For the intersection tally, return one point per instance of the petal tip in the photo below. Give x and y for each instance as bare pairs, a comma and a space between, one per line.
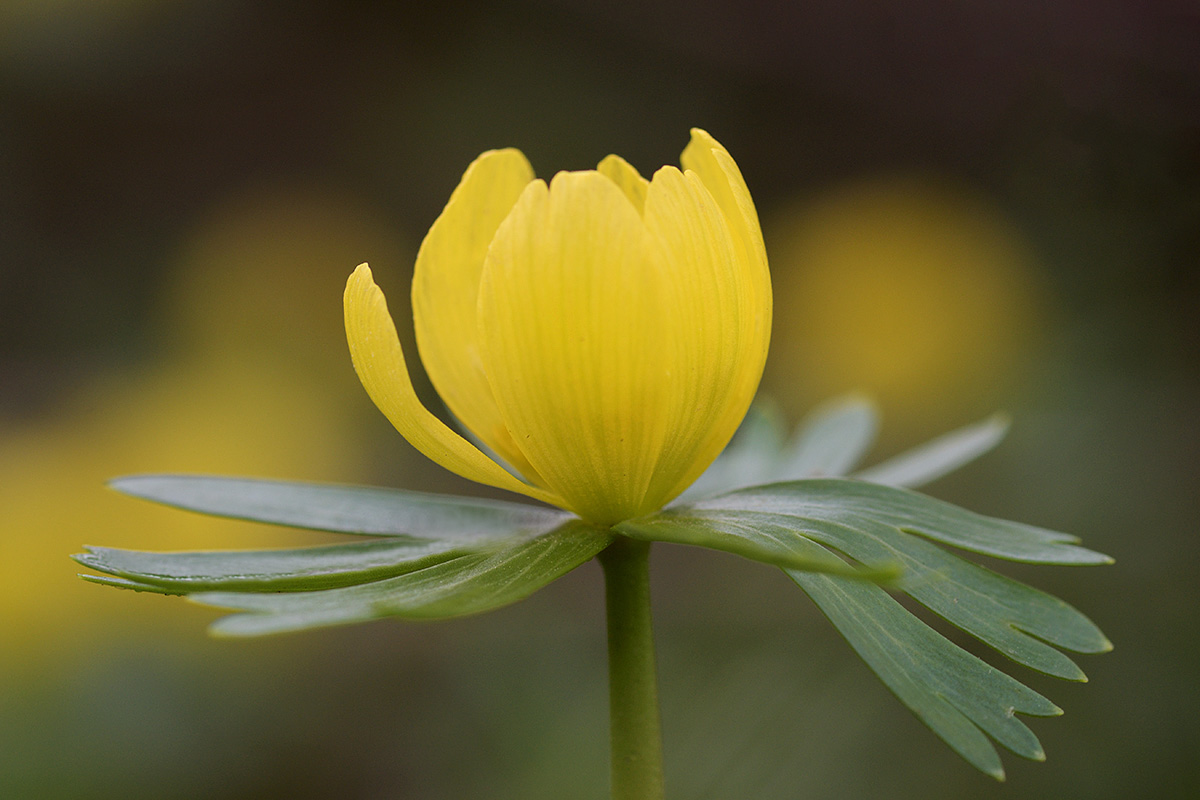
503, 153
360, 278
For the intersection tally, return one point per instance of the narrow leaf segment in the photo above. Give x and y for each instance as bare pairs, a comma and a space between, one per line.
345, 509
943, 455
443, 556
301, 569
829, 444
468, 584
956, 694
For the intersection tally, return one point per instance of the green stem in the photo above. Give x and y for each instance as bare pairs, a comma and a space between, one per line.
637, 772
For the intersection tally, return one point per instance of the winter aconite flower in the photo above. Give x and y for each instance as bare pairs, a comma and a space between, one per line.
602, 335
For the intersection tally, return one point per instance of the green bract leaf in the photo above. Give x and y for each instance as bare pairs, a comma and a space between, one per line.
956, 694
828, 443
1019, 621
299, 569
124, 583
791, 525
831, 441
467, 584
346, 509
749, 460
847, 501
943, 455
780, 543
445, 556
449, 556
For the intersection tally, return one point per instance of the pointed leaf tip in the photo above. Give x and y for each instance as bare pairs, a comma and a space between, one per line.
928, 462
276, 570
123, 583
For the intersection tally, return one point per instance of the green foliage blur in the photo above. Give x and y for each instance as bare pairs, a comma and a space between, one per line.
968, 208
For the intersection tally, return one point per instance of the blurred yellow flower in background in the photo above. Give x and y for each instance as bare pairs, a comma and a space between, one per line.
603, 335
247, 383
913, 290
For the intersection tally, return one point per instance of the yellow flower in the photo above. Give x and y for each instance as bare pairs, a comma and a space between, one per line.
603, 335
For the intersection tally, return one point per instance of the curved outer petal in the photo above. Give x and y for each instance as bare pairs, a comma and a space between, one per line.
379, 362
711, 163
705, 156
579, 343
445, 295
719, 335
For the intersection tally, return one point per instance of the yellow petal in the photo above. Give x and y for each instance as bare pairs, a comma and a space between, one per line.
705, 156
622, 173
576, 345
716, 169
379, 362
721, 354
445, 295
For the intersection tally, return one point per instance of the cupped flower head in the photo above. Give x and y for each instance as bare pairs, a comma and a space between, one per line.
603, 335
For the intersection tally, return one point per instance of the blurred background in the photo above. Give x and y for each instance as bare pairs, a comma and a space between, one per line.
969, 206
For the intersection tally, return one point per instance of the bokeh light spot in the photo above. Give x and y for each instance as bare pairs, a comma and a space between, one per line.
915, 291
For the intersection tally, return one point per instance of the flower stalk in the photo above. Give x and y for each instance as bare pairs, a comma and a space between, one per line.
636, 732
